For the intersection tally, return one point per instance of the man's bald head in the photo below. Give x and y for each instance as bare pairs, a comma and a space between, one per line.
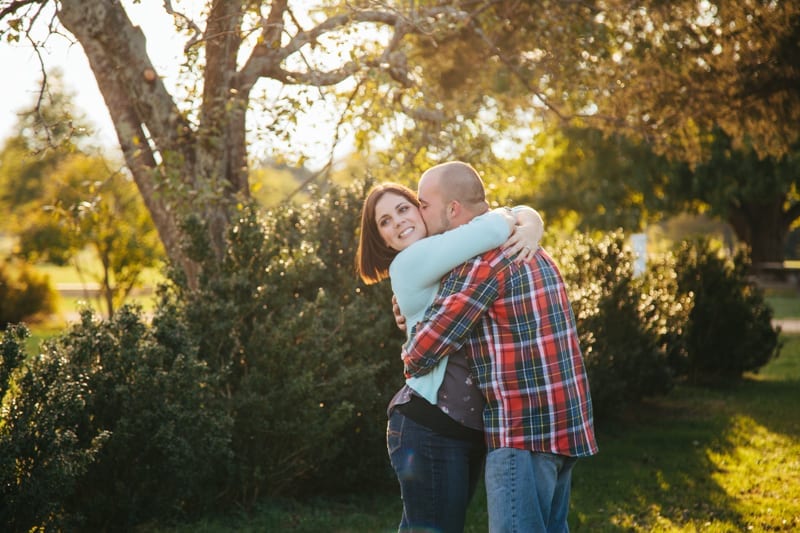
458, 181
451, 194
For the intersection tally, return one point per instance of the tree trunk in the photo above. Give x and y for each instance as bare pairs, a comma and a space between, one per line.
220, 151
763, 227
200, 168
178, 171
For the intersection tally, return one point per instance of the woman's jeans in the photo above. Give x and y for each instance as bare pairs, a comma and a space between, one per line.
438, 475
528, 492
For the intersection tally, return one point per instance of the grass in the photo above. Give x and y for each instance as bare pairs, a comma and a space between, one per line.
712, 460
40, 332
374, 513
785, 304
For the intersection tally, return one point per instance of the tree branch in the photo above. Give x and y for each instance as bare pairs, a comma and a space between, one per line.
15, 6
198, 33
268, 55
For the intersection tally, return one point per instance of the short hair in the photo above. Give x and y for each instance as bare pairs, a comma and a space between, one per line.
373, 256
460, 181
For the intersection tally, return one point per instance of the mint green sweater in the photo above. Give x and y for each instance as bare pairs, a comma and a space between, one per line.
416, 272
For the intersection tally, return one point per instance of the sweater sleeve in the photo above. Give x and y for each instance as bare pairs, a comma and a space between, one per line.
422, 265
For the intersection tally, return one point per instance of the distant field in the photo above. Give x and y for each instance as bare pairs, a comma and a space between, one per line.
6, 245
81, 292
69, 274
784, 303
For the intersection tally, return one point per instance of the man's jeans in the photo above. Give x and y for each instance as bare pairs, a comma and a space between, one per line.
438, 475
527, 492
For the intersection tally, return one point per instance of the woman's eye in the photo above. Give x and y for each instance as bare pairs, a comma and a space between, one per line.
403, 209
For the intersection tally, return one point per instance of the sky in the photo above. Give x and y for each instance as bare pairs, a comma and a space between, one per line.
21, 90
23, 74
21, 87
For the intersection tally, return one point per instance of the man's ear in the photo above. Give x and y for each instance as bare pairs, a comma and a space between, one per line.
453, 209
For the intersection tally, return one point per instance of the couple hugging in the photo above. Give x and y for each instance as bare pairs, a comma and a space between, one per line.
495, 379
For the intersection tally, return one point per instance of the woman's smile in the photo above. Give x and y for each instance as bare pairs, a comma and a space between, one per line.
406, 232
399, 221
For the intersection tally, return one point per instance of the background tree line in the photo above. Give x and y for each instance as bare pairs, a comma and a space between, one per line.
670, 75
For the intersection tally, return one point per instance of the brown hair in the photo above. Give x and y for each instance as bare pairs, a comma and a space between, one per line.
373, 257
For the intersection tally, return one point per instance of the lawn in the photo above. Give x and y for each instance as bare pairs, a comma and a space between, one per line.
715, 460
68, 274
785, 304
700, 459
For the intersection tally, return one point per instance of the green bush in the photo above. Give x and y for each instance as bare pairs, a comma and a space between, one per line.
43, 450
113, 424
308, 355
23, 295
729, 330
627, 324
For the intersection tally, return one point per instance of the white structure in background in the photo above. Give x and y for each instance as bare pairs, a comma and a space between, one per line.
639, 245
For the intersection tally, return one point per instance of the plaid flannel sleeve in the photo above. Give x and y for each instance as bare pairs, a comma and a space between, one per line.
463, 298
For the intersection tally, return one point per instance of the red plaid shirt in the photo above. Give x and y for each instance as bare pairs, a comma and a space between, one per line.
518, 327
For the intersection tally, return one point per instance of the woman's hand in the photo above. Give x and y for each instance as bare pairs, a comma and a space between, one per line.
524, 240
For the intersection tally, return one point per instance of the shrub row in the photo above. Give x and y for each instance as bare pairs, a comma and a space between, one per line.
693, 315
112, 423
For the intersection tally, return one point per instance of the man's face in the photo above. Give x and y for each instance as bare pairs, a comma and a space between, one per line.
432, 205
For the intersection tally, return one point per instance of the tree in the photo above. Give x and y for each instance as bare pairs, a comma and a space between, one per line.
655, 78
660, 71
687, 67
45, 134
605, 182
87, 205
61, 200
590, 181
190, 156
757, 195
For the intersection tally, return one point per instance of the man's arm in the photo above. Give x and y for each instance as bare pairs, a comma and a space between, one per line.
465, 295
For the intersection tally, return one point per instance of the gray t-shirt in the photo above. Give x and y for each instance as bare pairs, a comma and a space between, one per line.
459, 396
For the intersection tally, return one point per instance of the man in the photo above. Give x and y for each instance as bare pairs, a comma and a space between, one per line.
518, 328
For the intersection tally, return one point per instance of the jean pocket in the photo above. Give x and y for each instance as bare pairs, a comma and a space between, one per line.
394, 433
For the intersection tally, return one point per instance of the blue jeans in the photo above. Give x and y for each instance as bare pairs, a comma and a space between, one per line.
438, 475
528, 492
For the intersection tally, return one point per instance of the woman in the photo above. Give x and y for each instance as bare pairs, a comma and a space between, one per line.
434, 435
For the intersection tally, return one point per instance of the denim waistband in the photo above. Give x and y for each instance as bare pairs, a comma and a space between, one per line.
420, 411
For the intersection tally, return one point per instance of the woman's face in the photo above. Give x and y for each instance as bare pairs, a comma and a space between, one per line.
399, 222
